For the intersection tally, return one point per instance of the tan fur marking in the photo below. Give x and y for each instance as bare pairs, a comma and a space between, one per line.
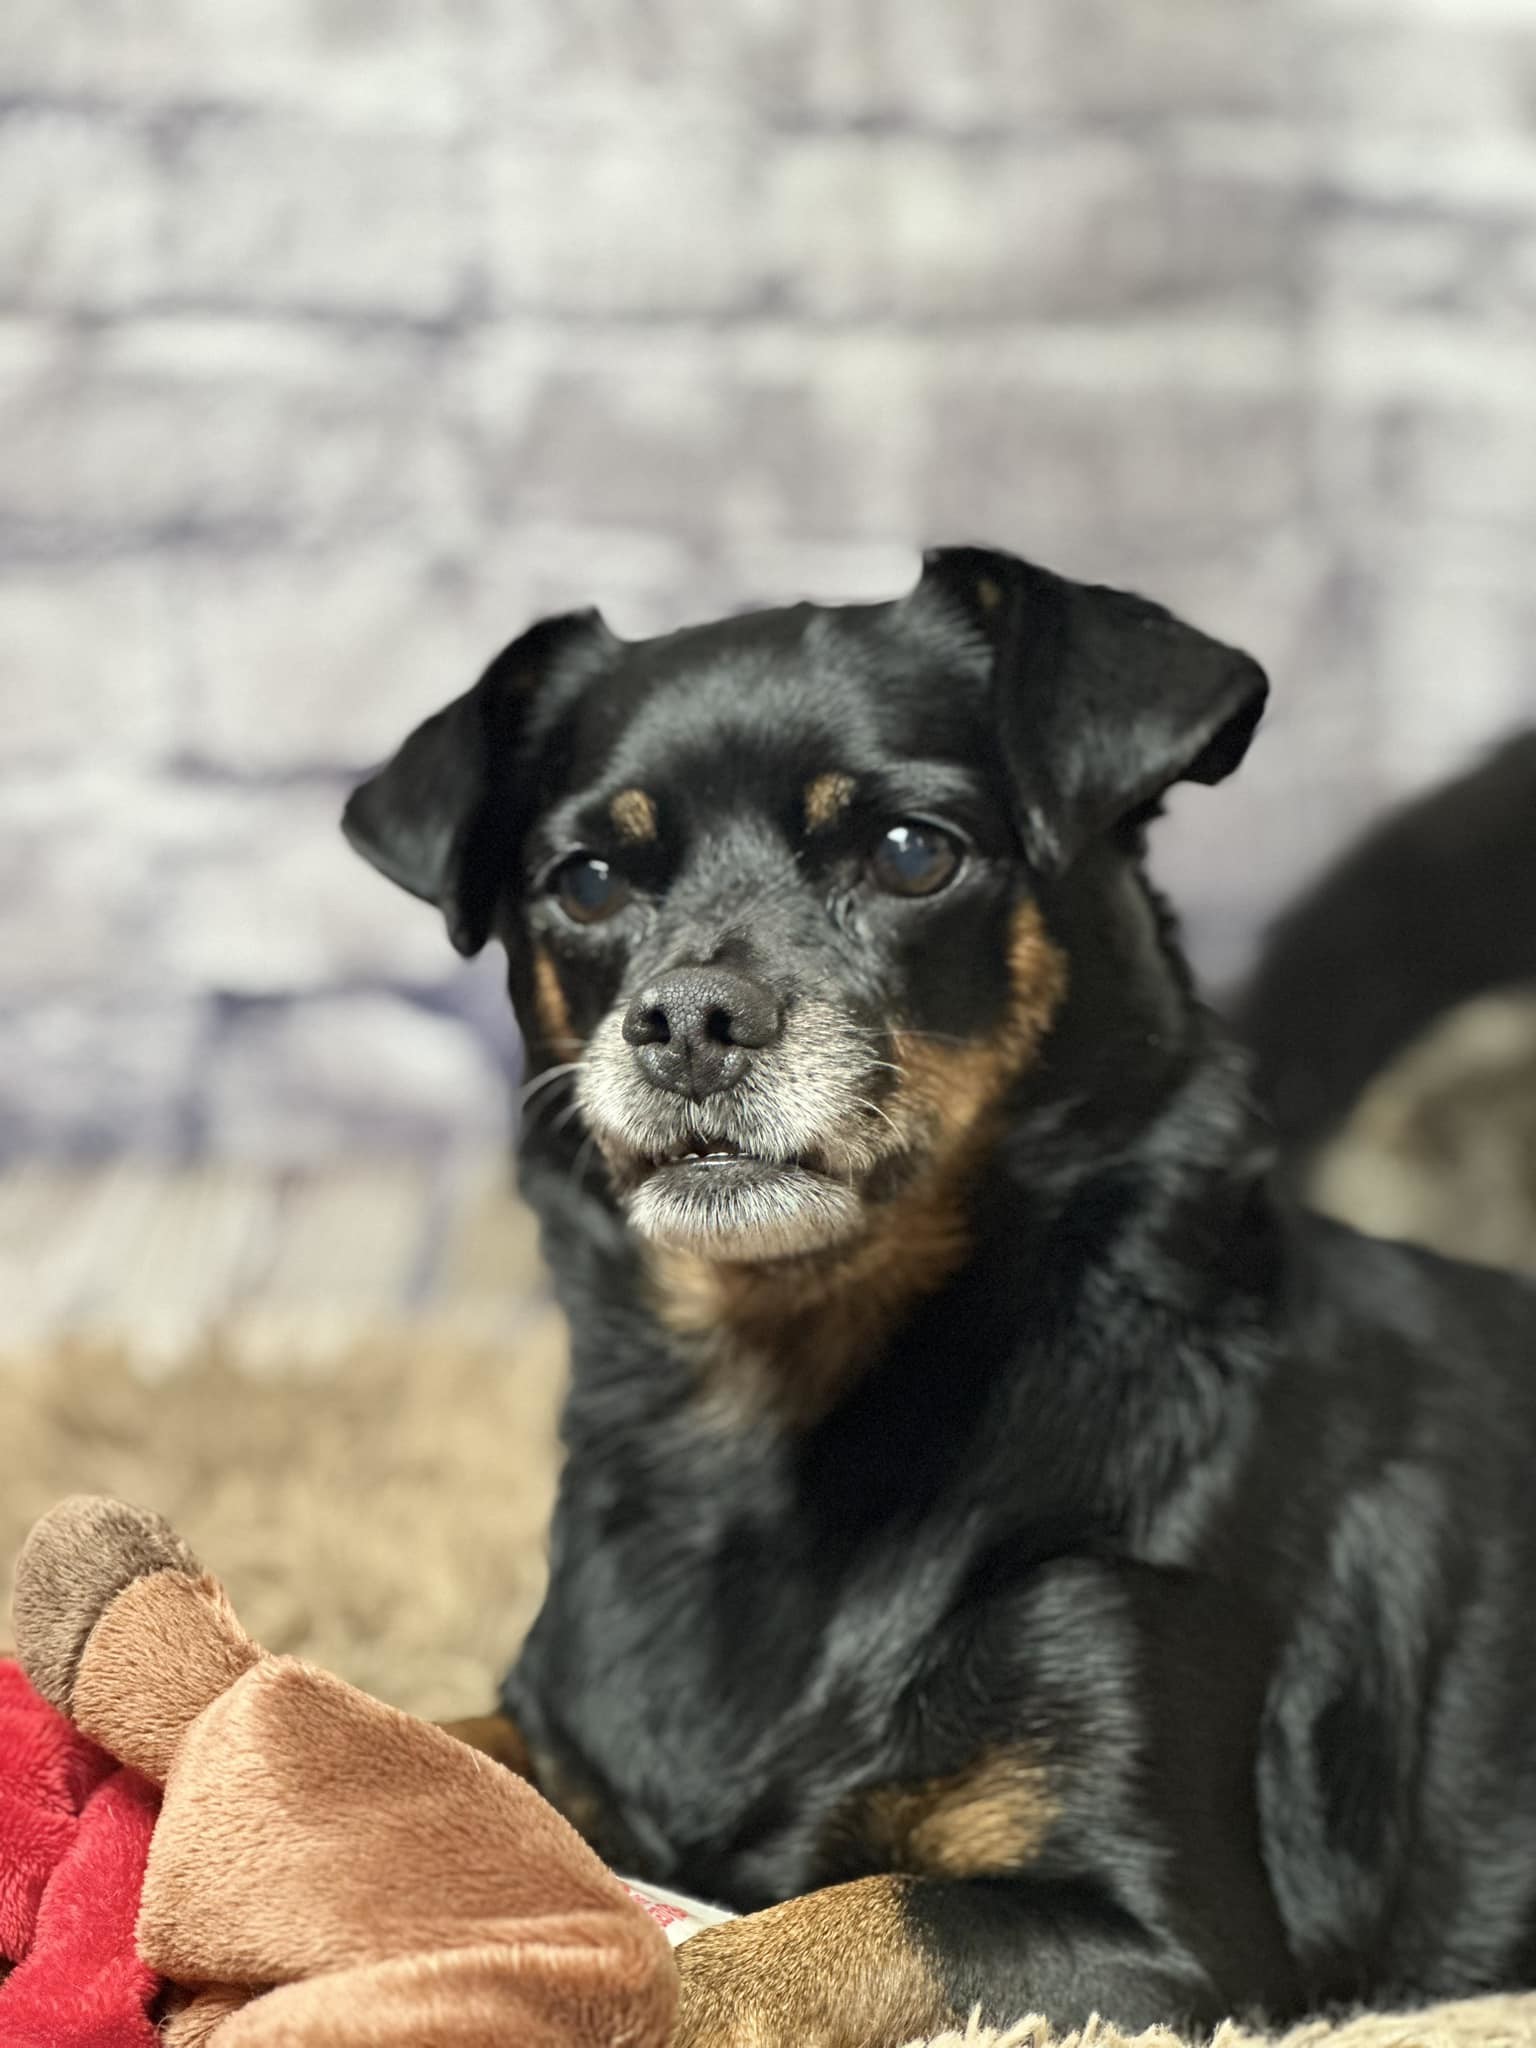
959, 1084
495, 1736
789, 1337
989, 594
786, 1340
549, 1004
838, 1968
634, 816
991, 1818
827, 798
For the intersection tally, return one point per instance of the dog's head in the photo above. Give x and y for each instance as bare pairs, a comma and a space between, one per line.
777, 886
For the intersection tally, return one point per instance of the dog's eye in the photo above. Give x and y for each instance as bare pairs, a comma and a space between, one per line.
588, 890
915, 860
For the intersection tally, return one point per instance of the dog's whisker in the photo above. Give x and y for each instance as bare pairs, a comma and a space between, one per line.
547, 1079
912, 1032
552, 1098
875, 1110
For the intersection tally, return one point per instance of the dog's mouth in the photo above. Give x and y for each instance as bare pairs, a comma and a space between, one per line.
700, 1152
717, 1152
716, 1197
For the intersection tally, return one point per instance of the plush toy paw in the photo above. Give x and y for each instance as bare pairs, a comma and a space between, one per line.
75, 1562
118, 1626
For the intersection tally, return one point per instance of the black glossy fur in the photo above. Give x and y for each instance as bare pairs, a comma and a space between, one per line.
1216, 1519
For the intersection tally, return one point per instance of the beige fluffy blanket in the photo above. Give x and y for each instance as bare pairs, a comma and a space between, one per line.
1494, 2022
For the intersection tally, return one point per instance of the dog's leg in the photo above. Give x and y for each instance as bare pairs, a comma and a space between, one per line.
881, 1960
497, 1736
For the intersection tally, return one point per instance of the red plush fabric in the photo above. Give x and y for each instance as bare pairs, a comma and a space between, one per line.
74, 1836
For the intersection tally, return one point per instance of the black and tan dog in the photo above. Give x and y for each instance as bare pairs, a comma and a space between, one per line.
1001, 1547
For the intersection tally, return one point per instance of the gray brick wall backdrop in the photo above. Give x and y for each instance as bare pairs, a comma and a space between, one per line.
338, 337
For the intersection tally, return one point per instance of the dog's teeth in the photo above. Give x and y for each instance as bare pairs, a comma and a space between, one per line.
703, 1151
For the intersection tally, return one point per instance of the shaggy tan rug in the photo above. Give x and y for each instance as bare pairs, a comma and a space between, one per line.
1441, 1149
384, 1516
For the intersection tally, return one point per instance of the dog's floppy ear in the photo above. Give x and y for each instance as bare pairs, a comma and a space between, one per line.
1103, 699
438, 818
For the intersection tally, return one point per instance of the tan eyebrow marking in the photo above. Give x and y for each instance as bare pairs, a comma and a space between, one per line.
989, 593
827, 798
634, 816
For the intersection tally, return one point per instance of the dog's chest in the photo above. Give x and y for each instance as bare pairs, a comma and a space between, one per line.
706, 1696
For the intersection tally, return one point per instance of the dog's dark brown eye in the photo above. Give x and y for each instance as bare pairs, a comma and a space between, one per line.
914, 860
588, 890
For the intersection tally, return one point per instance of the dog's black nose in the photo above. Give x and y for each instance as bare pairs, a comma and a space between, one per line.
695, 1029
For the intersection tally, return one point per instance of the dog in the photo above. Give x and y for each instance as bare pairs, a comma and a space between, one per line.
1004, 1549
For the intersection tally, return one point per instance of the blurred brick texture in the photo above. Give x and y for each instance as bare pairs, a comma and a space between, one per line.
339, 337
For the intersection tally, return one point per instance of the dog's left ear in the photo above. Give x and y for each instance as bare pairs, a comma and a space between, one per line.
1103, 699
440, 817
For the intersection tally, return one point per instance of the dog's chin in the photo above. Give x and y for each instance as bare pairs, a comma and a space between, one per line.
737, 1208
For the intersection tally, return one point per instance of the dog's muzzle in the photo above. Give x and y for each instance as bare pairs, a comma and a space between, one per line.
729, 1128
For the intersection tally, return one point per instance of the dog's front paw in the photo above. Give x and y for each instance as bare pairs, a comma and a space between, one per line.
736, 1992
835, 1969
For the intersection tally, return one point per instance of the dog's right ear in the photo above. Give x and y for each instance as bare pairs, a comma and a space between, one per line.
438, 818
1103, 700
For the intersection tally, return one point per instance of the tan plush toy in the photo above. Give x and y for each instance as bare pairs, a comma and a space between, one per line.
325, 1870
